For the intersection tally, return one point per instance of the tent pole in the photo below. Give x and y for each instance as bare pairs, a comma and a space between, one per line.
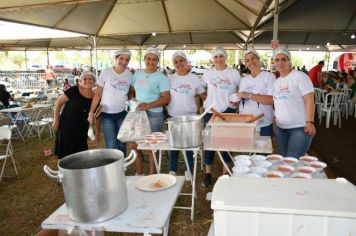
327, 64
162, 59
275, 19
140, 53
26, 60
95, 57
47, 57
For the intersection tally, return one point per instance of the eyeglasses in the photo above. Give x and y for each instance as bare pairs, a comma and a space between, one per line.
281, 59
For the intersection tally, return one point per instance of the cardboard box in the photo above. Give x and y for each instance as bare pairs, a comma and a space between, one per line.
233, 132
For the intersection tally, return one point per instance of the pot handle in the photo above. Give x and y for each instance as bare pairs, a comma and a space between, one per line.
130, 158
52, 173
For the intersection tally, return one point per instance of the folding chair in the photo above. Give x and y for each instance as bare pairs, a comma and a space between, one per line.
43, 120
6, 150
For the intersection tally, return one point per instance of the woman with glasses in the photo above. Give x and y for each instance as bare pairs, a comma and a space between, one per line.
113, 90
185, 90
256, 91
152, 92
293, 98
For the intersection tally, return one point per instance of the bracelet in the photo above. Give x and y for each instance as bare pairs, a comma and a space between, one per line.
311, 122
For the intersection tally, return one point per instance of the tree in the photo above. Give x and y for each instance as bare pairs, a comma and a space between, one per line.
264, 60
18, 60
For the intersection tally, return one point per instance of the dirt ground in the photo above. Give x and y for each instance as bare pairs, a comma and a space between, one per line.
28, 200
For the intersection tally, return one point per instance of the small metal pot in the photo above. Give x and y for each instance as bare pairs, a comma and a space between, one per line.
93, 183
185, 131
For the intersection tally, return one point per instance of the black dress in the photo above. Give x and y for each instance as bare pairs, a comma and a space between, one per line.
73, 127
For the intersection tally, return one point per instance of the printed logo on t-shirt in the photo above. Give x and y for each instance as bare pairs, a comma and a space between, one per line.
183, 87
143, 83
121, 85
283, 92
222, 83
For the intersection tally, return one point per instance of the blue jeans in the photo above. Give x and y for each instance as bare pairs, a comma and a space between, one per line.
111, 124
156, 120
209, 155
173, 160
292, 142
266, 130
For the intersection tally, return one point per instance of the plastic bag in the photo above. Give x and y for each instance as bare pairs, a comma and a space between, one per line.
135, 126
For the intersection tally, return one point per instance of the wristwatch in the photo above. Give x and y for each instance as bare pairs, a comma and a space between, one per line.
312, 122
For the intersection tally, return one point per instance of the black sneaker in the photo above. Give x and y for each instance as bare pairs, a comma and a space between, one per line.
206, 180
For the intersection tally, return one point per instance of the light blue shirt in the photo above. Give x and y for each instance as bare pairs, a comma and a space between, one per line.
148, 87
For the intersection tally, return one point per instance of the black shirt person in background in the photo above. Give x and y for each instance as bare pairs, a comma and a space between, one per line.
5, 96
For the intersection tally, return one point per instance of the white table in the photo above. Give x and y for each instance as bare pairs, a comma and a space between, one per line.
208, 146
20, 116
147, 212
166, 147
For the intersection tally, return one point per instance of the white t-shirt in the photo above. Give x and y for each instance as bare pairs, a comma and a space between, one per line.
183, 89
115, 89
288, 99
263, 84
220, 85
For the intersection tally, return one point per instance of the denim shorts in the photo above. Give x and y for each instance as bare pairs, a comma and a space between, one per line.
156, 120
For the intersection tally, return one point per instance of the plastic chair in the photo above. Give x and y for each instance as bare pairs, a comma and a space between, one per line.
332, 106
318, 98
346, 103
6, 150
43, 120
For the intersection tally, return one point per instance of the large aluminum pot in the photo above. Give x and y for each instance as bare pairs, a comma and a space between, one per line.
185, 131
93, 183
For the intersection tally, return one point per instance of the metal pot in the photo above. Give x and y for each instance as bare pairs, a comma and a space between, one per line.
185, 131
93, 183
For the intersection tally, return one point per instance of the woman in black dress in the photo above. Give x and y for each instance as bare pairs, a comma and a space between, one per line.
71, 124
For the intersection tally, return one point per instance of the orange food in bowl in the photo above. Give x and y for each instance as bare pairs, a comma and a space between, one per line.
285, 169
273, 175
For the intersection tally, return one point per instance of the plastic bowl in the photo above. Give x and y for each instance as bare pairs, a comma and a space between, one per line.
234, 97
258, 170
291, 161
157, 133
242, 162
274, 174
285, 169
246, 157
301, 175
260, 143
318, 165
274, 158
240, 170
141, 143
263, 164
308, 159
306, 170
258, 158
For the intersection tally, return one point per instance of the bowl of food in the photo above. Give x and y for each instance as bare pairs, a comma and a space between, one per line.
308, 159
285, 169
291, 161
141, 143
154, 143
274, 158
301, 175
306, 169
273, 174
263, 164
318, 165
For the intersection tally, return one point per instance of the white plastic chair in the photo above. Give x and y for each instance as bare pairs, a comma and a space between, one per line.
6, 150
346, 103
318, 99
332, 106
43, 120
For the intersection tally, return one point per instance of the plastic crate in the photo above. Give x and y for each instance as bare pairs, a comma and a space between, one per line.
293, 207
232, 132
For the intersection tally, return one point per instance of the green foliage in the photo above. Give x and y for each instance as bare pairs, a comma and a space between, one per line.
264, 60
18, 60
230, 57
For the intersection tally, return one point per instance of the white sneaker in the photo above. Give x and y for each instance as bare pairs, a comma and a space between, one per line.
172, 173
187, 176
